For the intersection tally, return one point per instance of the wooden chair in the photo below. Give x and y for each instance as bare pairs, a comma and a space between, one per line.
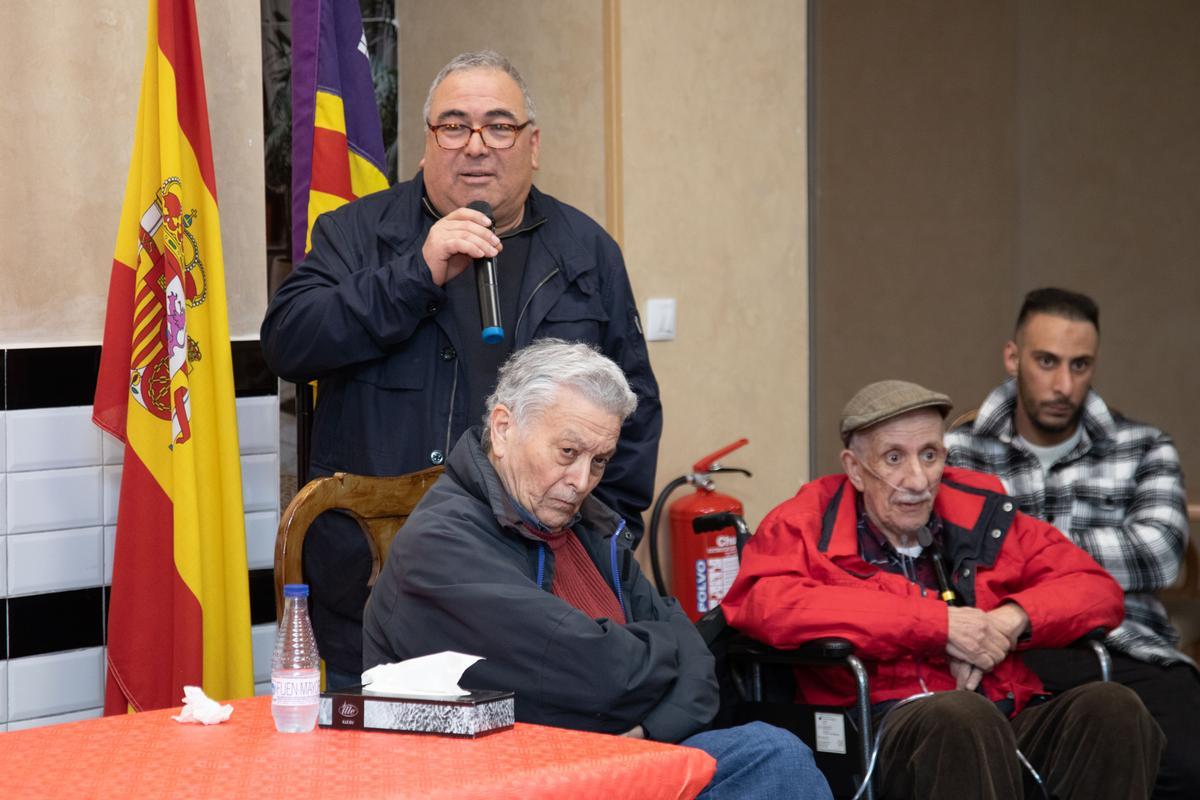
965, 418
1183, 599
379, 505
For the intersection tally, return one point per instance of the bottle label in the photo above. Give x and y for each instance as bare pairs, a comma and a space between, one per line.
296, 690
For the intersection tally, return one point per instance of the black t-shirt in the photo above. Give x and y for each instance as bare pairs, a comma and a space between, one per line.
479, 361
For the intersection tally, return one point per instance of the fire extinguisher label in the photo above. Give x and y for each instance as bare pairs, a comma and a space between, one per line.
714, 576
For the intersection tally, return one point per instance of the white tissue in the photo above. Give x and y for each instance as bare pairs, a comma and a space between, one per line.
434, 675
199, 707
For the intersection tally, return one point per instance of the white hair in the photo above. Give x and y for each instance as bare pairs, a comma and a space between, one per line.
481, 59
529, 381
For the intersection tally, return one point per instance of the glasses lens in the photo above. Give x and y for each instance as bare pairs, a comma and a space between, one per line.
452, 136
499, 136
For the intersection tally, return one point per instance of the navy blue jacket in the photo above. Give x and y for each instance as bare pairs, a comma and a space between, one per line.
361, 314
463, 574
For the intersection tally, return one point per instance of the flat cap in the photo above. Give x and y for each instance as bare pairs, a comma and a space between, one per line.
883, 400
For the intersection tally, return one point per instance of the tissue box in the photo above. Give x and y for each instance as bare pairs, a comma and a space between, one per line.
471, 715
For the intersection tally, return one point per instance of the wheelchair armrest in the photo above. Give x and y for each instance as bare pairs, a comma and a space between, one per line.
1094, 640
1094, 635
829, 650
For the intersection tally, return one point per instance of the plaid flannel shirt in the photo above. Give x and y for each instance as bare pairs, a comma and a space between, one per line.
1118, 494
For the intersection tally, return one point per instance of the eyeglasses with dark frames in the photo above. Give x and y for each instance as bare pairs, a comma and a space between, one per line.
496, 135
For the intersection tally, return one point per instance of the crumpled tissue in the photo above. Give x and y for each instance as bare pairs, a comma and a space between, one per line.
199, 707
435, 675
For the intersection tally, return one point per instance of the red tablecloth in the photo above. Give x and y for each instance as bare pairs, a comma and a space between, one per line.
149, 755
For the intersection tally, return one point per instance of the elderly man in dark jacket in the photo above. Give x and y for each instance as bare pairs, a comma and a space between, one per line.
384, 311
509, 557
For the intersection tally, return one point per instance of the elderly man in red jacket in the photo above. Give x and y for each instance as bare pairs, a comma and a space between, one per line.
939, 582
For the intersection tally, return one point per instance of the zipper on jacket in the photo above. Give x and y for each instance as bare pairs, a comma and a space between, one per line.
617, 573
529, 300
450, 413
541, 568
541, 563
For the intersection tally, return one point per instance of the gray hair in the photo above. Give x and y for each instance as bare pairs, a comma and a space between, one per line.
481, 59
529, 381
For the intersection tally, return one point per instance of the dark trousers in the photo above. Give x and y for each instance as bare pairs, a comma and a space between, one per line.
1171, 695
1093, 742
336, 679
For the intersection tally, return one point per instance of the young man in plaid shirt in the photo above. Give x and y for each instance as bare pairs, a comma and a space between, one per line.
1114, 486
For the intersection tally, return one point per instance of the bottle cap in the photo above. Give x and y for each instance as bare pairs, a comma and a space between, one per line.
295, 590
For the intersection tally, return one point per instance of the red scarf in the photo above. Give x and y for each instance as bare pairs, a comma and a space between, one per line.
577, 581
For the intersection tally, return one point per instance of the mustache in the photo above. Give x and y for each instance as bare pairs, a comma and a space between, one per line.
1059, 402
905, 495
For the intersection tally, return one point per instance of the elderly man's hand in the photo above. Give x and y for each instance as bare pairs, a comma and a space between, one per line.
455, 240
974, 637
636, 732
1011, 620
966, 676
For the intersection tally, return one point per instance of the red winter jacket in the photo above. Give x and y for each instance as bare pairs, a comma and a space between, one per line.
802, 578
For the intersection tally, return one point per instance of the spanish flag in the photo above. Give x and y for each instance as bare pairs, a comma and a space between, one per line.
337, 139
180, 608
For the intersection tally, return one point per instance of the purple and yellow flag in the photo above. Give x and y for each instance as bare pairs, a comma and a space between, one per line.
180, 608
337, 139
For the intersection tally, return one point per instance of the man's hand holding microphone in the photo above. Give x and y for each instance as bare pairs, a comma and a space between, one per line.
462, 236
456, 240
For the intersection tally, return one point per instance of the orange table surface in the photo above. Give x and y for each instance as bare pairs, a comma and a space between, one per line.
149, 755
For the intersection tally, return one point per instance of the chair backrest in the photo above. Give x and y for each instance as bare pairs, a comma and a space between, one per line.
1183, 598
379, 505
965, 418
1187, 587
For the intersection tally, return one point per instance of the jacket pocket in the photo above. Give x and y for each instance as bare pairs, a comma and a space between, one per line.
576, 317
1101, 502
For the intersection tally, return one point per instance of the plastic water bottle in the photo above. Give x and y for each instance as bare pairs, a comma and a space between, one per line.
295, 666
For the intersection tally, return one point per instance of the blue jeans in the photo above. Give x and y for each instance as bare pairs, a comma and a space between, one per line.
760, 761
335, 679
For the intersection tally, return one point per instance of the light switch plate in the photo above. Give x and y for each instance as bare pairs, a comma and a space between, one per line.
660, 319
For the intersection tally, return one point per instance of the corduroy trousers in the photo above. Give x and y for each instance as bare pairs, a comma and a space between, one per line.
1095, 741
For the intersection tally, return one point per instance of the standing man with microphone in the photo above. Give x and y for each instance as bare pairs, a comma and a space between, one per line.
385, 313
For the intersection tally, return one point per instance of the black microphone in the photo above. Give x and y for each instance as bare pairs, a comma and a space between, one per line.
488, 286
925, 539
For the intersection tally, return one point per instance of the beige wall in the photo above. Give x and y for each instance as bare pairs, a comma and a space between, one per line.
715, 216
713, 207
70, 102
914, 136
967, 153
1109, 197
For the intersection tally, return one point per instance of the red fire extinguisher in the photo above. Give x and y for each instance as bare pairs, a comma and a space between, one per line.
703, 565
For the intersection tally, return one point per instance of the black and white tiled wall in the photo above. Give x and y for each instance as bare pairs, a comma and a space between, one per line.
60, 478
